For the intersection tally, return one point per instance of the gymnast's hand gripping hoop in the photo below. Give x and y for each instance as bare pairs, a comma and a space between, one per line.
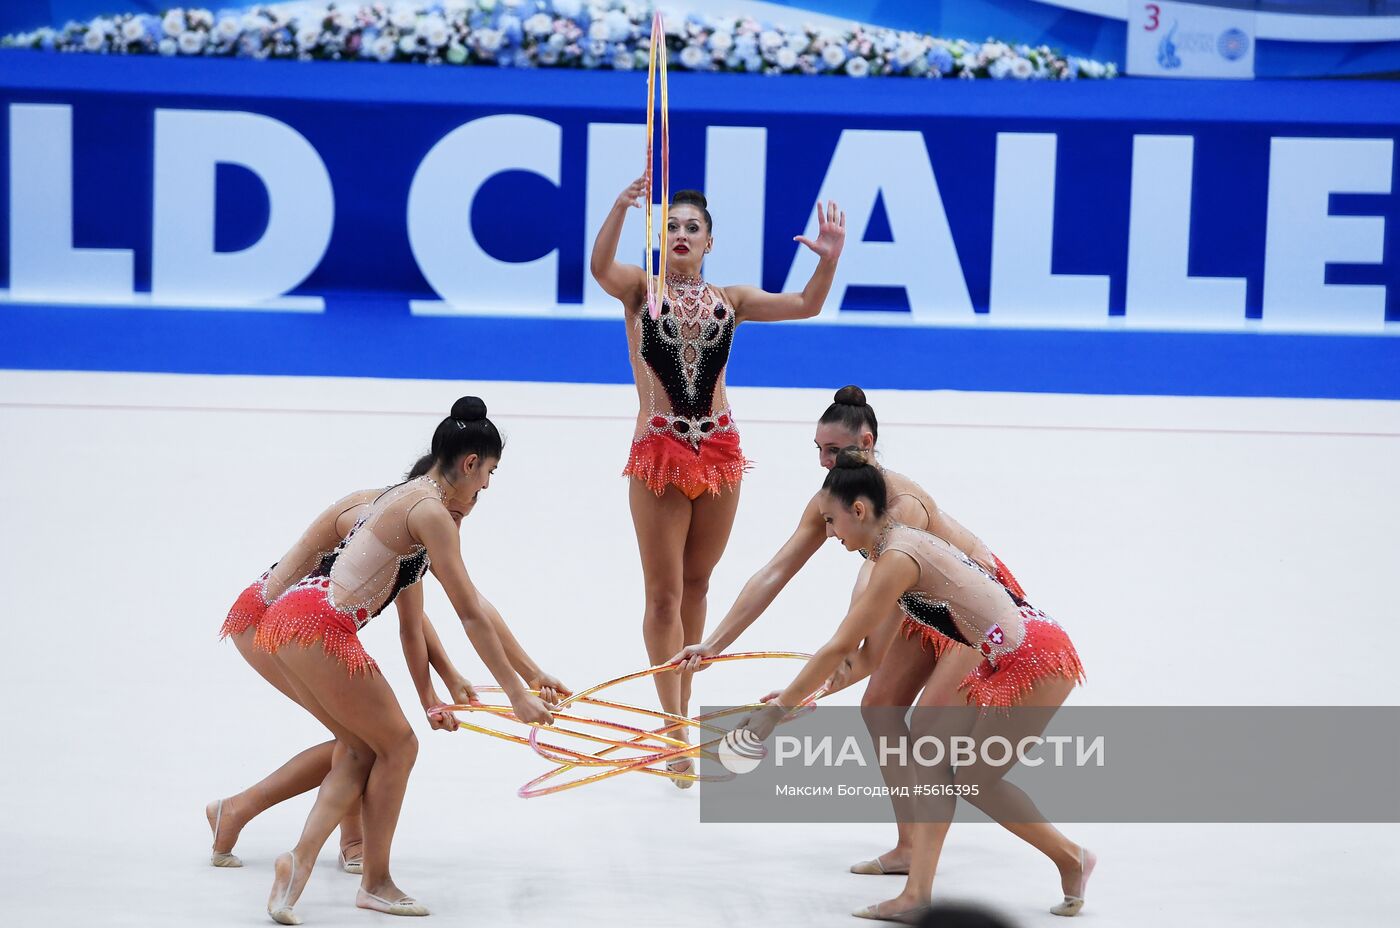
649, 749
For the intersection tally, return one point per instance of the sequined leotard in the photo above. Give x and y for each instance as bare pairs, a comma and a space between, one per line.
375, 562
685, 434
910, 504
959, 599
312, 553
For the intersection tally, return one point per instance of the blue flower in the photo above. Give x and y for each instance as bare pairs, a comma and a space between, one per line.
510, 26
940, 60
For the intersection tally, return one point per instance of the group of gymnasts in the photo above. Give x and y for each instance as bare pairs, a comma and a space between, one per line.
970, 636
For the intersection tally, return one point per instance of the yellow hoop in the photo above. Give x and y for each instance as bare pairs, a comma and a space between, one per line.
658, 745
657, 61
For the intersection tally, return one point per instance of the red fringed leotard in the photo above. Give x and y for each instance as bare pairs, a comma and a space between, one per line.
686, 436
311, 554
956, 597
374, 563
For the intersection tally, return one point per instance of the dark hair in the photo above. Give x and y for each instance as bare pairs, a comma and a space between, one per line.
850, 409
955, 915
697, 199
466, 430
853, 477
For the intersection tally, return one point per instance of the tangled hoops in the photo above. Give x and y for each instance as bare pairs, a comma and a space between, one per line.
630, 747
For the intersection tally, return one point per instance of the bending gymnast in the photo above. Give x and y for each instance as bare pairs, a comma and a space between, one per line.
898, 666
304, 772
685, 460
1028, 660
409, 529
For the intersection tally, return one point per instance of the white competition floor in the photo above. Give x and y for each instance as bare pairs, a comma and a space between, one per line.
1200, 552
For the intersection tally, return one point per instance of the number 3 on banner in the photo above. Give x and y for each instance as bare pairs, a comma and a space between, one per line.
1154, 18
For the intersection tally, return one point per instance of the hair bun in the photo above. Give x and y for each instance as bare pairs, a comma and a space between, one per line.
851, 458
850, 395
693, 197
469, 409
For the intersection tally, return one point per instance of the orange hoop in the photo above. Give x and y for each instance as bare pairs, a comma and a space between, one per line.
651, 748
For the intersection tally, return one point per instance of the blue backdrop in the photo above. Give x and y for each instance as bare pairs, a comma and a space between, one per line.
900, 325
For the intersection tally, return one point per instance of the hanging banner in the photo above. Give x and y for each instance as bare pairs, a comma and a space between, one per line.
1168, 39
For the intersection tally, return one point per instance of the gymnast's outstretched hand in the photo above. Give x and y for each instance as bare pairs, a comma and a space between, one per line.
631, 198
831, 232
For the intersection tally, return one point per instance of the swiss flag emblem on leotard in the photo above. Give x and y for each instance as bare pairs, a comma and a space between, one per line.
995, 636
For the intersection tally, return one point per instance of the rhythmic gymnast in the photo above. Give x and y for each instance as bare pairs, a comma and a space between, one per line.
406, 531
898, 665
1027, 660
304, 772
685, 461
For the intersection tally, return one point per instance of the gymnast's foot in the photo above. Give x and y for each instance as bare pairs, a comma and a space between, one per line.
681, 765
891, 863
904, 909
224, 824
387, 898
288, 880
1074, 879
352, 856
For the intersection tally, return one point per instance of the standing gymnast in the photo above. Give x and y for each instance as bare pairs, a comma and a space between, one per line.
899, 665
685, 461
1027, 660
408, 530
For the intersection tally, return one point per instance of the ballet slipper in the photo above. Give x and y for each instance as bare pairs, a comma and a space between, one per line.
405, 906
218, 858
876, 867
281, 909
1072, 904
911, 916
681, 765
355, 865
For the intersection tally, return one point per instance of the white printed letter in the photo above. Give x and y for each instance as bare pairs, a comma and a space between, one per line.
1161, 291
1024, 287
185, 268
440, 210
894, 166
1302, 237
44, 265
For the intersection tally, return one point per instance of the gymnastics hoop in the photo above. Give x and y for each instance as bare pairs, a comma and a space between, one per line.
657, 61
661, 747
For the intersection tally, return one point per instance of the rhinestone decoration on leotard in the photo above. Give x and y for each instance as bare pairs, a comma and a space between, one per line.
687, 345
248, 609
306, 615
1007, 671
308, 612
1005, 676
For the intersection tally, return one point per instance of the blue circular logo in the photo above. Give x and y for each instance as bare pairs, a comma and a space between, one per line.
1233, 44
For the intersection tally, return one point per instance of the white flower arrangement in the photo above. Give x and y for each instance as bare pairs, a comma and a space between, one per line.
550, 33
